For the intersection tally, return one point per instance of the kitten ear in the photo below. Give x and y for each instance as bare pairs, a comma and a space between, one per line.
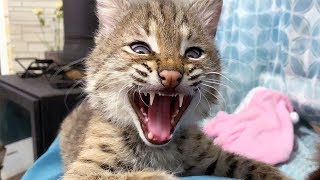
110, 12
208, 12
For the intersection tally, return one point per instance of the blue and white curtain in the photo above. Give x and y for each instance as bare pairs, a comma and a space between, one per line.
272, 43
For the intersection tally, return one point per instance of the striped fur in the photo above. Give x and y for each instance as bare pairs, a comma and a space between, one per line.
102, 138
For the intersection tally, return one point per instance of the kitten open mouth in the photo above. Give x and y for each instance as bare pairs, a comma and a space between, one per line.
159, 113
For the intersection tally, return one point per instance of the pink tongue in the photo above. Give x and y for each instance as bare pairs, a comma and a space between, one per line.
159, 123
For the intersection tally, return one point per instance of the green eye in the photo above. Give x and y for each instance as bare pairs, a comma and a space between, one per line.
193, 53
140, 48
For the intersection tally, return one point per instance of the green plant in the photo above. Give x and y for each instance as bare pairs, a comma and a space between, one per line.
57, 19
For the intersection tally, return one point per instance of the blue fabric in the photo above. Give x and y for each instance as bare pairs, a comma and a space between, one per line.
301, 164
49, 167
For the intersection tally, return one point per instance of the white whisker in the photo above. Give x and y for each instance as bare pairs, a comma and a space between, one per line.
206, 100
218, 83
217, 73
141, 98
123, 87
199, 98
224, 101
111, 83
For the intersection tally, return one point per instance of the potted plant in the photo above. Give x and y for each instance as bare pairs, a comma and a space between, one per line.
54, 51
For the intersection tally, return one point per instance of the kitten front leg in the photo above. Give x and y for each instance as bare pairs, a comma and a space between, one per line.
235, 166
202, 157
90, 170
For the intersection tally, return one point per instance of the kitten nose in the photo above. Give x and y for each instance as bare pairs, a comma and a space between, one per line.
170, 79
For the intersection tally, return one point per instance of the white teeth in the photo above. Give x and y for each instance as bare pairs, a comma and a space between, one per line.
152, 95
175, 113
151, 98
143, 112
150, 135
180, 99
146, 119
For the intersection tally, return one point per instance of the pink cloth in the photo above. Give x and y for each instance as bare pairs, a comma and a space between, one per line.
262, 130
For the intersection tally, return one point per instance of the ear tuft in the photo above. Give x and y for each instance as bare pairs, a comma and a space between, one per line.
209, 12
110, 12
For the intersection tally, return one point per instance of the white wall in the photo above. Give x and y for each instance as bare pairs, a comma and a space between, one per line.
25, 32
4, 53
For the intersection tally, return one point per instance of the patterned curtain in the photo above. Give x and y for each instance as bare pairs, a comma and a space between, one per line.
271, 43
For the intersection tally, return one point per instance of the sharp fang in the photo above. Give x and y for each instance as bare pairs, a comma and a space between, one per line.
150, 135
145, 94
180, 99
151, 98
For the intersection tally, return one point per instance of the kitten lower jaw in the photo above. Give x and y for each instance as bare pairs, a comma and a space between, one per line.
158, 114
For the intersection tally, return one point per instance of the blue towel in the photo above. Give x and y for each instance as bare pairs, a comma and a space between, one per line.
48, 166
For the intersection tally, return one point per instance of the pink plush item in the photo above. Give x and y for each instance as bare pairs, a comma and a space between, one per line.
262, 129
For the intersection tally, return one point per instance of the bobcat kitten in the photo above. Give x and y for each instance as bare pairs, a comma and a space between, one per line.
154, 70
